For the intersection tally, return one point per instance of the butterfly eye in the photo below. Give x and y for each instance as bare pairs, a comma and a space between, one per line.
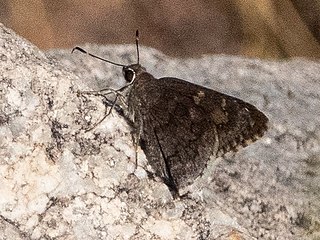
128, 74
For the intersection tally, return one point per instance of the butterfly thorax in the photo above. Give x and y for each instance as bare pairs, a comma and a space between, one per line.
136, 76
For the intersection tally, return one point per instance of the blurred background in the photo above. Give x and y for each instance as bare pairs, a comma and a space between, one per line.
254, 28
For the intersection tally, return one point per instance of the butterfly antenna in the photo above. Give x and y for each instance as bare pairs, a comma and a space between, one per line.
137, 44
92, 55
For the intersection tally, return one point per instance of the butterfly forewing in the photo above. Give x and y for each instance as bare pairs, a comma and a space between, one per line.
182, 125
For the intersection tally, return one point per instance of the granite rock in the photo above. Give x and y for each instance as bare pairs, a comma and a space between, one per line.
59, 181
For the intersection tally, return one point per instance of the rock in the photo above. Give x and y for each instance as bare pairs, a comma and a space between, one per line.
60, 181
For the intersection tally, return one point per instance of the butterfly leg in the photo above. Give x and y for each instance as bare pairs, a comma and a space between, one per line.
111, 103
136, 142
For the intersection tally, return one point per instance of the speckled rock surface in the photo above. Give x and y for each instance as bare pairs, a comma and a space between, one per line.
60, 182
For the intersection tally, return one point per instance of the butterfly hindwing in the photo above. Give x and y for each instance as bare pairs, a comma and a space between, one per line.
182, 125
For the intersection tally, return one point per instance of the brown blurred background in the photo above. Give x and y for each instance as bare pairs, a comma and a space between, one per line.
256, 28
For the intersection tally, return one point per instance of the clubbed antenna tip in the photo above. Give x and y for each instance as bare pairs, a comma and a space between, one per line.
137, 45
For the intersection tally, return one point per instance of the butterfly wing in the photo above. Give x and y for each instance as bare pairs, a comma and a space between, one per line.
181, 125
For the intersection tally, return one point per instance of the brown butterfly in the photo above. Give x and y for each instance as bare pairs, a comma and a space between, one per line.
180, 125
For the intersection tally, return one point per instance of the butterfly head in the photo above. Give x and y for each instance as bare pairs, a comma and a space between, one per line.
132, 71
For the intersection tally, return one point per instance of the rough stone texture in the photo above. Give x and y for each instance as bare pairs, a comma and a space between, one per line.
60, 182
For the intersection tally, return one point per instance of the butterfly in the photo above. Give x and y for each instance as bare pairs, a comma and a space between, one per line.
180, 125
